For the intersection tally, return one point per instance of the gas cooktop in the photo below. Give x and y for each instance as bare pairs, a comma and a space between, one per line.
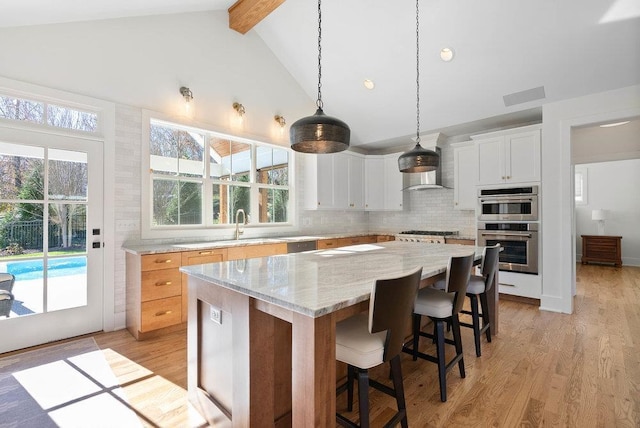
429, 232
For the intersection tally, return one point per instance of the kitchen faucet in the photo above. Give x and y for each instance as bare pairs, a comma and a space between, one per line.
239, 230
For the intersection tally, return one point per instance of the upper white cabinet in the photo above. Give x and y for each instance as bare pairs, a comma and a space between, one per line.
510, 156
383, 183
465, 178
334, 181
356, 181
374, 183
392, 183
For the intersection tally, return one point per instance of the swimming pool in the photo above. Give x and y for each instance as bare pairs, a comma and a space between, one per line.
64, 266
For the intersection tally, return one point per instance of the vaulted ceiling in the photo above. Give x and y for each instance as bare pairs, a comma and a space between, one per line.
568, 48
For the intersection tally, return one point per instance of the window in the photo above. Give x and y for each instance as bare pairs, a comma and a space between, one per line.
581, 185
50, 115
200, 179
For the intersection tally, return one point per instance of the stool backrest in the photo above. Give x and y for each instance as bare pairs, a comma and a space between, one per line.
457, 279
6, 281
390, 309
490, 258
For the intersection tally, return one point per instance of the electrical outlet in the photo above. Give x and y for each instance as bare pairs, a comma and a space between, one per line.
306, 221
215, 314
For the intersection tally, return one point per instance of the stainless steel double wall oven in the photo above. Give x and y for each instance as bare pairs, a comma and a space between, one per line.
509, 216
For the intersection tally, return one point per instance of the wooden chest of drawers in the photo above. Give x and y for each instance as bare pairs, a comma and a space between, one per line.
602, 249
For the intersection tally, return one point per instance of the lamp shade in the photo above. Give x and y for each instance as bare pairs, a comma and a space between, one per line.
319, 134
598, 215
418, 159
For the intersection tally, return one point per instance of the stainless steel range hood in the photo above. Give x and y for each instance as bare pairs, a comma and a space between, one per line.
424, 180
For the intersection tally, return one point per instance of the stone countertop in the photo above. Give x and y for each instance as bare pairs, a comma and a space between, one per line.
141, 249
318, 282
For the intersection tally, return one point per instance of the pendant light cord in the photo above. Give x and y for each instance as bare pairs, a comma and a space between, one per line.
417, 73
319, 100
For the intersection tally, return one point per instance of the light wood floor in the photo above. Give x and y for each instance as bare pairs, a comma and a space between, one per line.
544, 369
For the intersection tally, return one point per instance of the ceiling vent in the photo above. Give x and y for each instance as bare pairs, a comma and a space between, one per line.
524, 96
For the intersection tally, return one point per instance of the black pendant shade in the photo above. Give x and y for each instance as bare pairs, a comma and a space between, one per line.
418, 159
319, 134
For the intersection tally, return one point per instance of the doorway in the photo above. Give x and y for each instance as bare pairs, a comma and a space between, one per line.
51, 229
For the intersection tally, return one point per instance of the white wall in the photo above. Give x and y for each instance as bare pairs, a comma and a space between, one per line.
143, 62
613, 186
558, 235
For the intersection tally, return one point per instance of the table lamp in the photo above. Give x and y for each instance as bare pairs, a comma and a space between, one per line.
599, 216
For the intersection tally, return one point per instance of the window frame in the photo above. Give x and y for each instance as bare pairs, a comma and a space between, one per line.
208, 229
583, 172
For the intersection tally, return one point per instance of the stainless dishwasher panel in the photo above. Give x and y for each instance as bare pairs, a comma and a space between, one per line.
298, 247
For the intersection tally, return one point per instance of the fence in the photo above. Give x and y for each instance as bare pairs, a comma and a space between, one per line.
29, 234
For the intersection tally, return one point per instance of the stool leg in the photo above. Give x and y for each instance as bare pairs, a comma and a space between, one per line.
485, 315
475, 316
416, 335
396, 371
455, 324
350, 379
442, 364
363, 397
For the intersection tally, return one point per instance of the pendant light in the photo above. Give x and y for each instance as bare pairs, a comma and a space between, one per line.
319, 133
418, 159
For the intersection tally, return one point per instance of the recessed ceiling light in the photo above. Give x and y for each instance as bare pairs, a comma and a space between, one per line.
369, 84
446, 54
609, 125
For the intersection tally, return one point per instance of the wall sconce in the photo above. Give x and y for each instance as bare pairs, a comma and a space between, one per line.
280, 120
188, 97
599, 216
239, 108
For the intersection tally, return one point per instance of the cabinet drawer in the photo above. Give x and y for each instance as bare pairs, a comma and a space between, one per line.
356, 240
252, 251
160, 261
160, 313
158, 284
323, 244
203, 256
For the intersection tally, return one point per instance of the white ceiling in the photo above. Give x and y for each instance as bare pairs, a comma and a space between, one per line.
569, 47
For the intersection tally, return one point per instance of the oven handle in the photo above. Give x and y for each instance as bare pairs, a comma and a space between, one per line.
514, 235
508, 200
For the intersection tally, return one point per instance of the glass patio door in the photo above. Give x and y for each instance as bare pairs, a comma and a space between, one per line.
50, 238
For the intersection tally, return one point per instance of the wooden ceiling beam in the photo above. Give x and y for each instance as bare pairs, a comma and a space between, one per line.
245, 14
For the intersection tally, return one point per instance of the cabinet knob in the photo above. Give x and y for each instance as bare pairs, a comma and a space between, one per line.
163, 261
161, 284
161, 313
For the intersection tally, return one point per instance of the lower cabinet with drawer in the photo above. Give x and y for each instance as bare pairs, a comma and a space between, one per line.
154, 292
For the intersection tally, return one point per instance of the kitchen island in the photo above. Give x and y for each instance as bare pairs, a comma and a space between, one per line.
261, 336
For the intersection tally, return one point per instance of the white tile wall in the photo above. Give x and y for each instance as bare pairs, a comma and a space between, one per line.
430, 209
127, 192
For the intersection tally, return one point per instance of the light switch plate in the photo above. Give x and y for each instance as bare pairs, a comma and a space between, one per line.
215, 314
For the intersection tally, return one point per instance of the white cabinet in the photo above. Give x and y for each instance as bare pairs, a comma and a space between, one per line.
465, 178
392, 183
356, 181
374, 183
510, 156
383, 183
334, 181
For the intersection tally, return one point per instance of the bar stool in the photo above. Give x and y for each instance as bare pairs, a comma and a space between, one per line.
477, 289
365, 340
443, 306
6, 298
